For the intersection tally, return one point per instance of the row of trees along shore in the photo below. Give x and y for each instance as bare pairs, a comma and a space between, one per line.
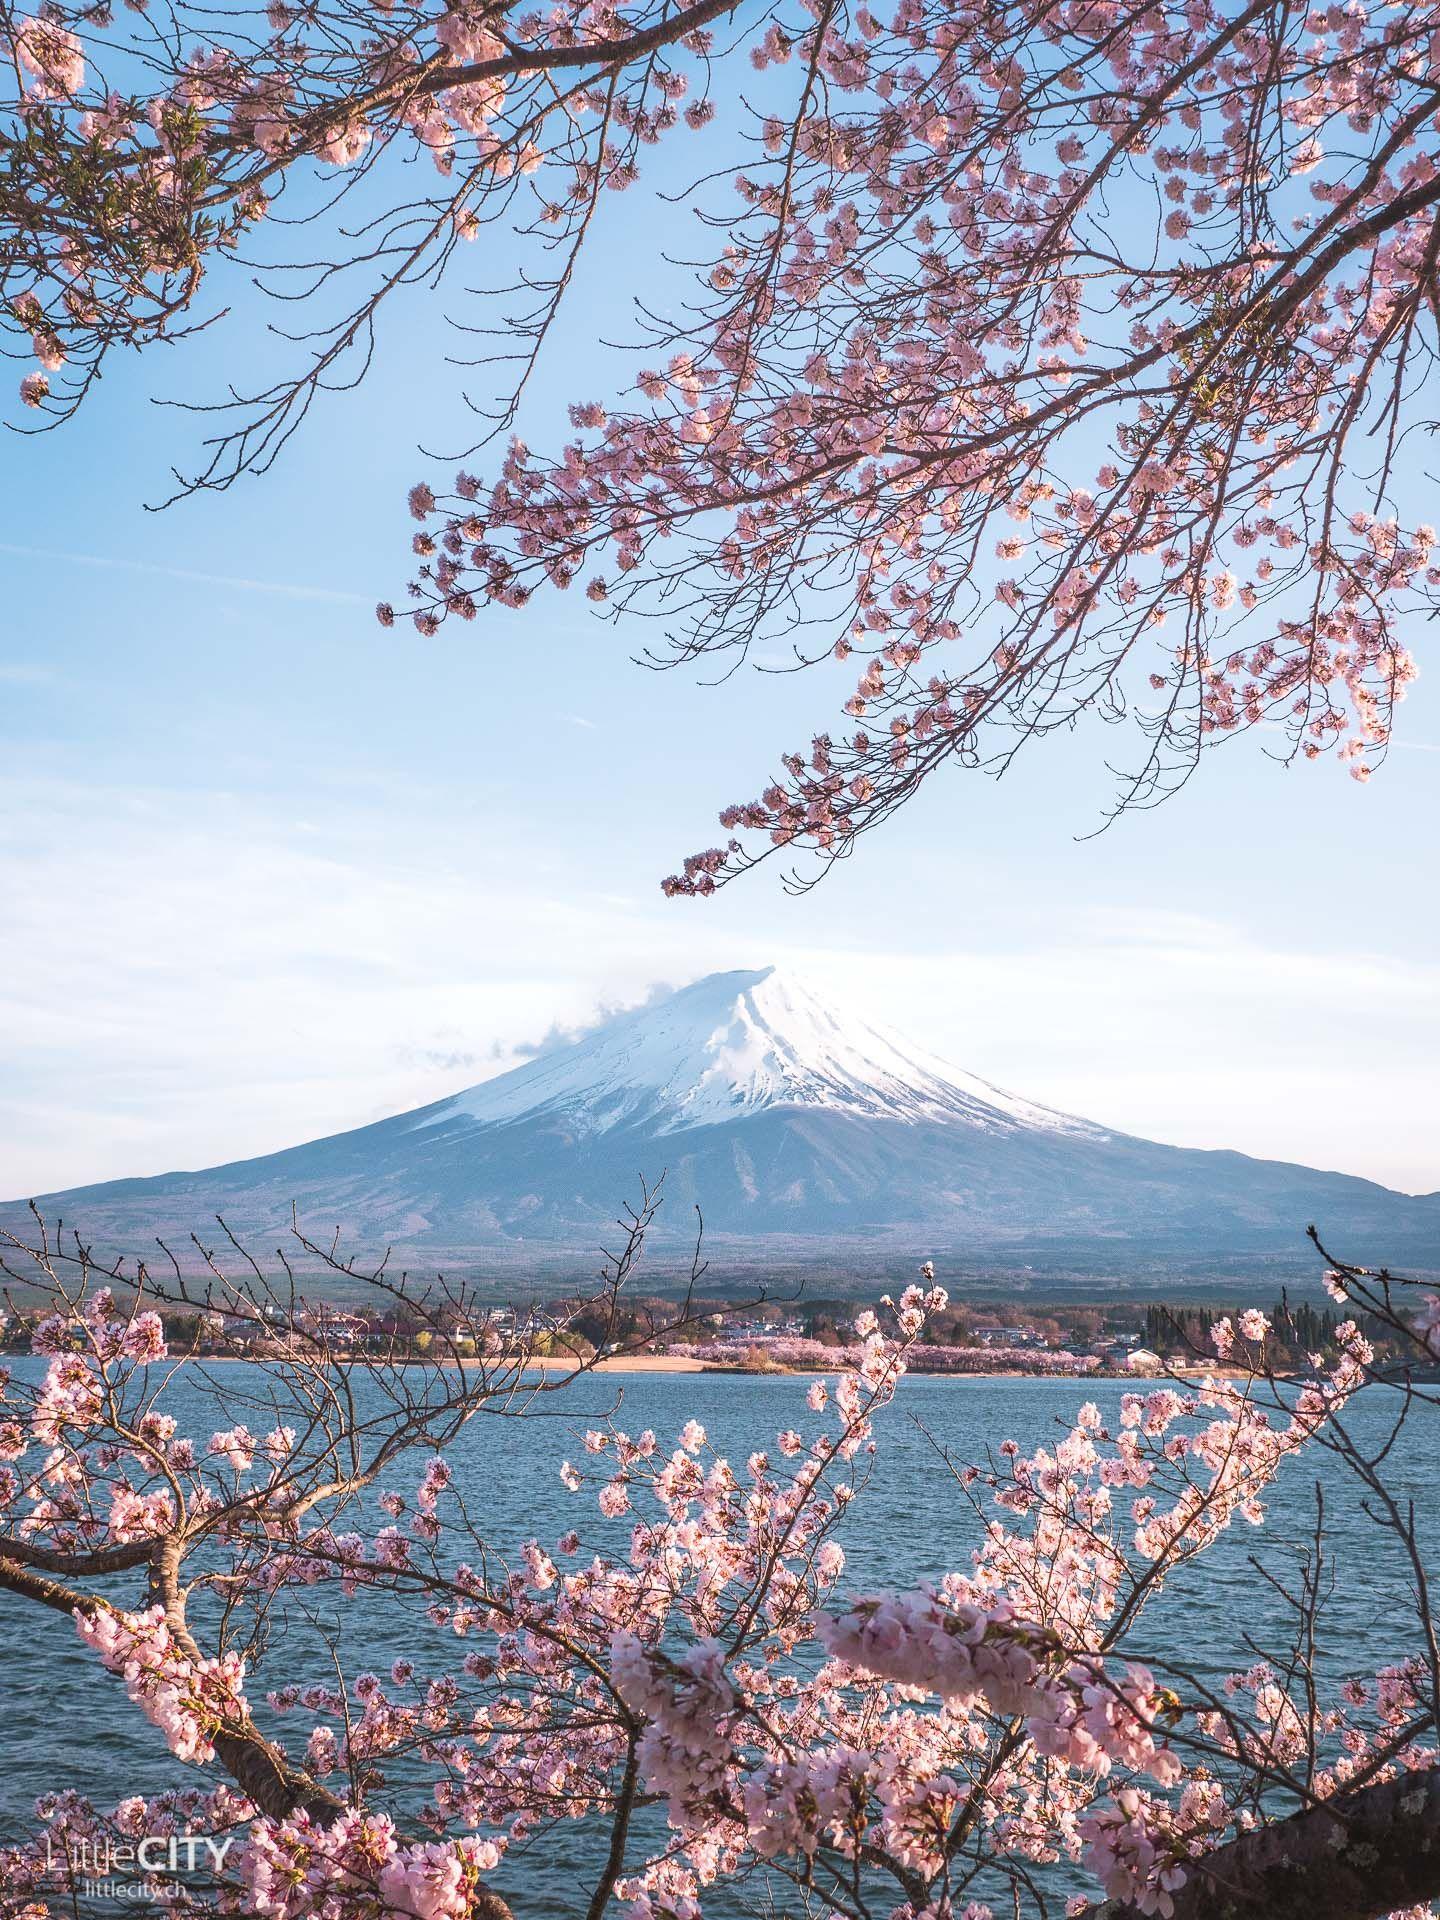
791, 1335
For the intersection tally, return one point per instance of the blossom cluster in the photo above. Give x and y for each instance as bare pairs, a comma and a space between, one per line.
359, 1867
187, 1696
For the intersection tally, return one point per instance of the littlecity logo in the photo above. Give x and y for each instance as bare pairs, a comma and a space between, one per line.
121, 1869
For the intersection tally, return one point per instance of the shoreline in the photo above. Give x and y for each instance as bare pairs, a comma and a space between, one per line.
656, 1363
643, 1363
664, 1363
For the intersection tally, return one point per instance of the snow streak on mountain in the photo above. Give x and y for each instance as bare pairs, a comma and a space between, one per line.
733, 1044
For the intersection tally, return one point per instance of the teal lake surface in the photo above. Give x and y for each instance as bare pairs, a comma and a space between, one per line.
69, 1724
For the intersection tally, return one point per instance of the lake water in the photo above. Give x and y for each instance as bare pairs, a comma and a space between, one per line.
68, 1722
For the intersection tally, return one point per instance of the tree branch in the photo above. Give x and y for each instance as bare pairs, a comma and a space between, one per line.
597, 53
1356, 1857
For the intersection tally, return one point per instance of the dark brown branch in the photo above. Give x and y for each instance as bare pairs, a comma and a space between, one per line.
39, 1587
1355, 1857
599, 53
115, 1559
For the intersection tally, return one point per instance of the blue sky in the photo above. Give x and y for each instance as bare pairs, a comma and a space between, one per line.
270, 871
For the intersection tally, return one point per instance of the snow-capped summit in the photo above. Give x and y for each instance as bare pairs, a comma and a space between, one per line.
733, 1044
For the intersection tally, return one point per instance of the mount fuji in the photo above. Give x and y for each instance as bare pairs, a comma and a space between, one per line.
810, 1139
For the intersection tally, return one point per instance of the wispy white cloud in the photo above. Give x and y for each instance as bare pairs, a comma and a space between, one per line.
238, 583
